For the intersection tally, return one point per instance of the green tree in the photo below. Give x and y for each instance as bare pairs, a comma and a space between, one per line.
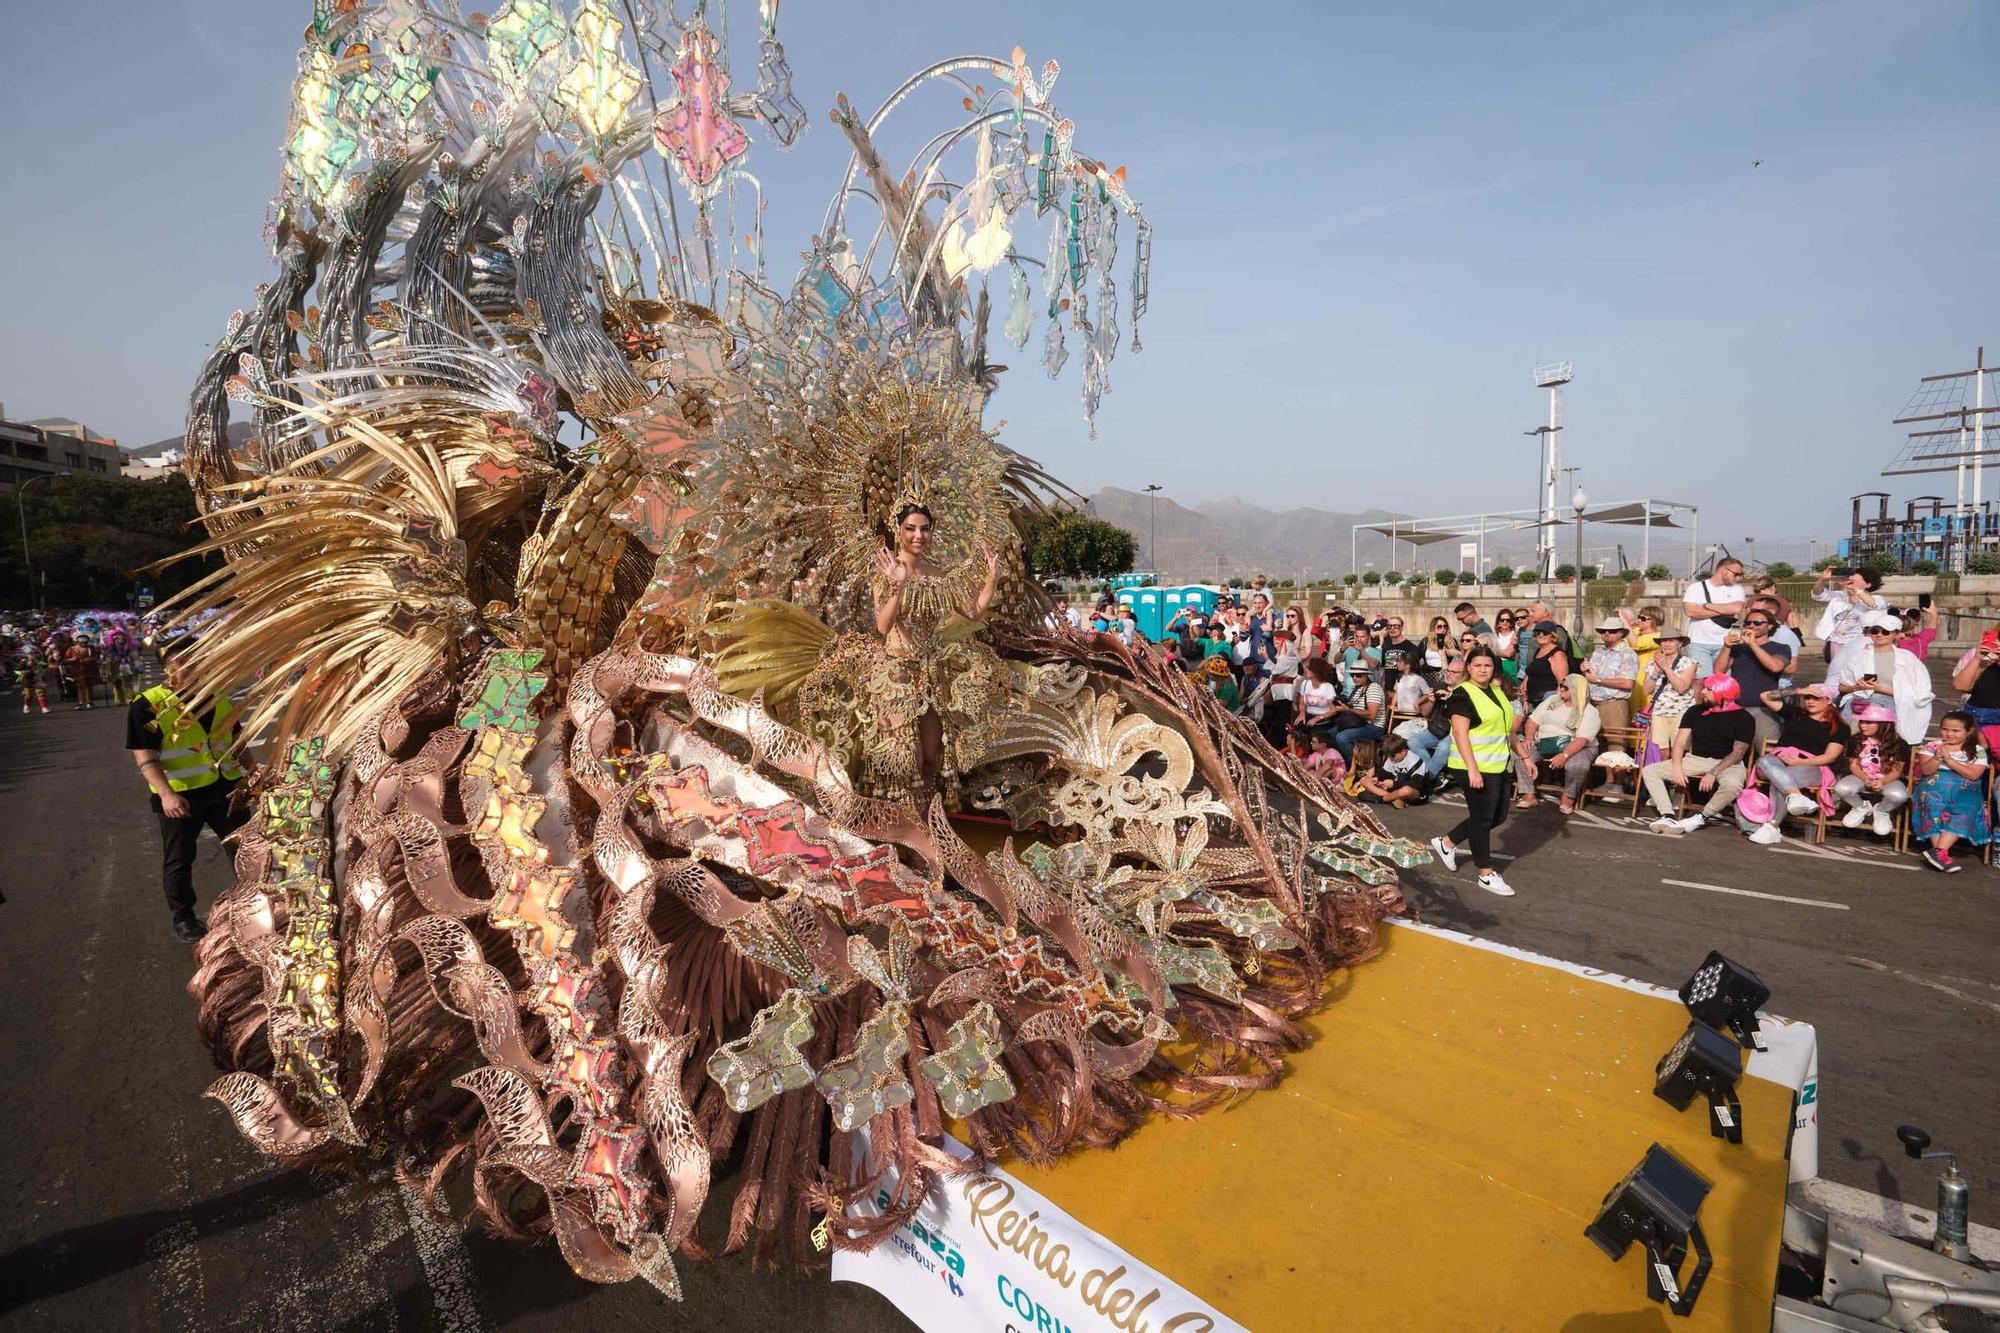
1778, 569
1565, 571
1923, 567
1466, 576
1077, 546
1237, 582
1825, 562
1589, 572
90, 537
1883, 563
1444, 578
1500, 574
1350, 579
1371, 578
1657, 571
1393, 577
1986, 562
1632, 575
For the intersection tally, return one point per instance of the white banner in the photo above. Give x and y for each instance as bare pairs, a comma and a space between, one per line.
987, 1253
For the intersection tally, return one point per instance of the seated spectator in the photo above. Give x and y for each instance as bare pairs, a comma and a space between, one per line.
1469, 618
1399, 776
1976, 678
1753, 656
1810, 752
1613, 672
1950, 803
1558, 743
1322, 758
1319, 697
1548, 666
1364, 715
1670, 689
1221, 683
1881, 672
1431, 741
1876, 782
1710, 745
1848, 595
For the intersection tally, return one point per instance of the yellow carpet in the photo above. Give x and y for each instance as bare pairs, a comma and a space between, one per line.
1432, 1160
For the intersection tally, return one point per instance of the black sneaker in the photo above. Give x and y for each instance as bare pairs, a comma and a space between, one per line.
188, 927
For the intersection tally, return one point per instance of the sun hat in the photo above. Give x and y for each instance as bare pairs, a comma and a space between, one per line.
1610, 623
1755, 804
1881, 620
1215, 666
1824, 691
1546, 627
1671, 632
1874, 712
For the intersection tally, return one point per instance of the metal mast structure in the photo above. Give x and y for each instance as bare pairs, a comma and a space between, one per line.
1959, 448
1551, 377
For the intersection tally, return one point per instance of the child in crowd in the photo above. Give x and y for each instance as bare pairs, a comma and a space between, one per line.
1399, 776
1321, 757
1950, 804
1874, 783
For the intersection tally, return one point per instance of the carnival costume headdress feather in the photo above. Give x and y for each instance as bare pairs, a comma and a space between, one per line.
564, 874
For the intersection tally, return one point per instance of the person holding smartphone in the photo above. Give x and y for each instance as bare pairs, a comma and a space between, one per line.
1978, 681
1881, 672
1849, 595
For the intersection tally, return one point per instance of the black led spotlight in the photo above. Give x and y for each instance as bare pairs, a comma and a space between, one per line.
1704, 1063
1656, 1206
1726, 995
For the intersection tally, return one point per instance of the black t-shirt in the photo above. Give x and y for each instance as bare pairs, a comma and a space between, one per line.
1716, 732
1751, 674
1985, 691
1800, 732
1460, 704
142, 728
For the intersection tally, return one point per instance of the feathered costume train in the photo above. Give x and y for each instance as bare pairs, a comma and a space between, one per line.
581, 858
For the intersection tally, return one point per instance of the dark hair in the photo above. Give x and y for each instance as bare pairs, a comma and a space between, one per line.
1317, 668
914, 508
1974, 742
1465, 606
1477, 651
1871, 578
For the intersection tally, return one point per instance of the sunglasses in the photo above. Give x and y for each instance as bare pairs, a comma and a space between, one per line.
1873, 630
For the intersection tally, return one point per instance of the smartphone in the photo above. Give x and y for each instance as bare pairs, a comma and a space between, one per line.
1870, 677
1923, 601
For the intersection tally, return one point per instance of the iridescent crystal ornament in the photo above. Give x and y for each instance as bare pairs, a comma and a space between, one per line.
600, 84
695, 131
756, 1068
869, 1080
966, 1071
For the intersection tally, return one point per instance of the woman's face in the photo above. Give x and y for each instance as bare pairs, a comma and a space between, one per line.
1480, 669
1855, 583
1439, 628
914, 533
1651, 623
1467, 640
1544, 640
1953, 733
1505, 620
1668, 650
1818, 706
1562, 692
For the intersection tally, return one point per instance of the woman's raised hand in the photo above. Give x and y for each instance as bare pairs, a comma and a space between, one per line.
891, 568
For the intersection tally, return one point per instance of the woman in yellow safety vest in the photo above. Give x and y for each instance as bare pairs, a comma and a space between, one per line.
1483, 723
185, 759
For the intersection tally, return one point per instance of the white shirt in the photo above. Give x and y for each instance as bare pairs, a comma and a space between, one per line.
1319, 699
1706, 631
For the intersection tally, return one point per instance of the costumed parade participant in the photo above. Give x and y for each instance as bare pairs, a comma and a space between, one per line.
635, 638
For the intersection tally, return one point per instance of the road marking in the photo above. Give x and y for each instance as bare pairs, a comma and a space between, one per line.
447, 1266
1914, 979
1752, 893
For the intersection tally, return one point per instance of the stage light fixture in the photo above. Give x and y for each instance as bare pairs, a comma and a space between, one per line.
1707, 1063
1656, 1206
1727, 995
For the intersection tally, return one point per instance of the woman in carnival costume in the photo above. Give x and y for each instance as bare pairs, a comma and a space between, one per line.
612, 815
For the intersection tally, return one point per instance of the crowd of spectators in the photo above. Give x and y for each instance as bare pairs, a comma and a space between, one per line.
78, 657
1701, 719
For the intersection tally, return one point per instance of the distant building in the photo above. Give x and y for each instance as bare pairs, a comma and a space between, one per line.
30, 449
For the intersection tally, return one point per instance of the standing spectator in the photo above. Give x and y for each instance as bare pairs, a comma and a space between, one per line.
1848, 595
1920, 630
1613, 672
1065, 616
1437, 644
1644, 636
1976, 678
1304, 642
1811, 749
1670, 690
1482, 732
1505, 644
1469, 617
1882, 672
185, 759
1782, 633
1539, 611
1193, 649
1128, 628
1548, 665
1766, 586
1758, 663
1875, 784
1410, 689
1394, 641
1712, 605
1950, 804
1711, 743
1259, 626
1559, 740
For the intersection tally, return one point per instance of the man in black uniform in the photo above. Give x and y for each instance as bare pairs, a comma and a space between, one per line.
185, 761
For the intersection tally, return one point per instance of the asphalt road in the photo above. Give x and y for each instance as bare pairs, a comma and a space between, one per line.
135, 1204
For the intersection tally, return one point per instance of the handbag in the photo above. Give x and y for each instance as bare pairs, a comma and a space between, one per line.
1722, 621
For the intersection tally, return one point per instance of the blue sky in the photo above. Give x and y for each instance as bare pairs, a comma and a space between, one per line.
1371, 222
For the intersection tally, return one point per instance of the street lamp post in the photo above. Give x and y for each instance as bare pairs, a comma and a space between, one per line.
1577, 503
1153, 528
21, 511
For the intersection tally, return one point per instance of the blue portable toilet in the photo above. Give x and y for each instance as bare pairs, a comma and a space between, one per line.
1153, 609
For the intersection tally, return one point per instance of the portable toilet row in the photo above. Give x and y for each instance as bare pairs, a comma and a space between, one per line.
1153, 609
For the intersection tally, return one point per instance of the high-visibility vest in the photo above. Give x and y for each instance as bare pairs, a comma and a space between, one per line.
1490, 734
193, 756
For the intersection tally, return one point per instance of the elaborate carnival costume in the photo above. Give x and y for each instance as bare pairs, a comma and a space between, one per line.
553, 548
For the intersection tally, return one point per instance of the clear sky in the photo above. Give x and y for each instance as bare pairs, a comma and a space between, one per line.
1371, 223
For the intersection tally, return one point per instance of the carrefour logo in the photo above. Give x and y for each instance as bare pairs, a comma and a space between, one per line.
938, 1245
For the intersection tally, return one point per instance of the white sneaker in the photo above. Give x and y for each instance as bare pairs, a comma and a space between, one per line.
1492, 883
1799, 803
1853, 818
1767, 835
1885, 823
1446, 854
1694, 823
1666, 824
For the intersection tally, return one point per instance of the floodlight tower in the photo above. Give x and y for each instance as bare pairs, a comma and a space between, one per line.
1551, 377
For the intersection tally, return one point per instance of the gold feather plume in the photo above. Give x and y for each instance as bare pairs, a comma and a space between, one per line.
767, 645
